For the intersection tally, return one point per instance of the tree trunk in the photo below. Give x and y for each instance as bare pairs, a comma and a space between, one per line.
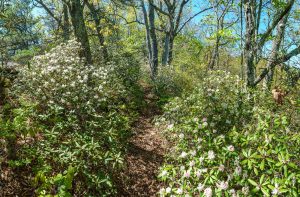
250, 42
98, 29
215, 55
66, 27
275, 49
148, 39
76, 12
154, 46
166, 49
171, 46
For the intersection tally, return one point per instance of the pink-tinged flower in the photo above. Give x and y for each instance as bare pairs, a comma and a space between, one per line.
208, 192
187, 174
230, 148
198, 173
238, 170
222, 185
211, 155
221, 168
204, 119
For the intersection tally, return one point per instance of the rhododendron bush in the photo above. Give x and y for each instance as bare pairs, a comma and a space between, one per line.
78, 108
223, 147
222, 97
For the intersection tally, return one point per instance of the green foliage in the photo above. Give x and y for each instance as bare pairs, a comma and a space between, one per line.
83, 119
20, 122
129, 74
24, 56
60, 184
252, 151
221, 98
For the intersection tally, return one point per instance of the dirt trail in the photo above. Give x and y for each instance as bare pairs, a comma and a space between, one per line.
145, 155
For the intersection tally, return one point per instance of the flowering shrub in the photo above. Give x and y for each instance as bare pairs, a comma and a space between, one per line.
172, 81
79, 107
215, 157
221, 97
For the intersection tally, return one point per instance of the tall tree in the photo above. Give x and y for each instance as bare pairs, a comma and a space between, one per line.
151, 39
252, 44
175, 13
220, 13
275, 50
62, 20
76, 8
96, 15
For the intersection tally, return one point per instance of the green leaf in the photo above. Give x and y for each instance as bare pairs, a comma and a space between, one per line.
252, 182
265, 191
262, 165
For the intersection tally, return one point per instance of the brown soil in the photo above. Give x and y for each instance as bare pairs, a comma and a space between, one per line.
145, 155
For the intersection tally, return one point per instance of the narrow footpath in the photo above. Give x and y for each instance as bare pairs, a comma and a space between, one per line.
145, 155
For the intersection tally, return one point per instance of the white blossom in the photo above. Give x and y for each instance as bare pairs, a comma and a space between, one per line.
208, 192
183, 154
222, 185
230, 148
211, 155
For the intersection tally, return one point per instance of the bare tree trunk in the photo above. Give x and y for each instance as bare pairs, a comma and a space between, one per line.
250, 42
76, 12
154, 65
252, 46
66, 27
215, 54
171, 46
148, 39
275, 49
166, 49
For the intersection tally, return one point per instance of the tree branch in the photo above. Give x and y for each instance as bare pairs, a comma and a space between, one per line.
49, 12
187, 21
279, 60
278, 17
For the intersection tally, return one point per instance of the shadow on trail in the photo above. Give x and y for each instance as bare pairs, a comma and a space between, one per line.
145, 154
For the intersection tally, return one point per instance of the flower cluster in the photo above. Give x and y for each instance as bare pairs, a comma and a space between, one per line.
78, 109
211, 159
60, 78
